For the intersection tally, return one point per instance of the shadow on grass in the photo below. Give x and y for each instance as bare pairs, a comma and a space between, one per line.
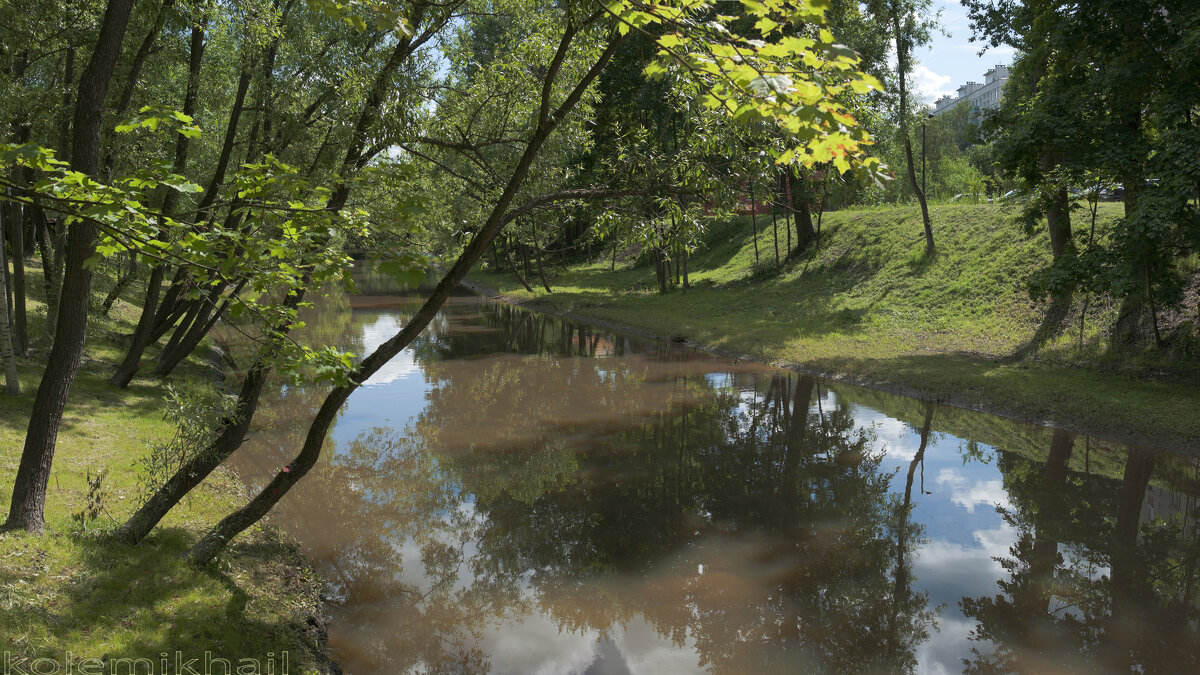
88, 394
1051, 326
146, 600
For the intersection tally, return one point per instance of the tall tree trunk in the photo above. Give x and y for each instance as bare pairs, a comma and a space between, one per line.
754, 226
50, 275
1126, 330
16, 231
1036, 597
820, 210
65, 110
902, 63
29, 488
791, 209
5, 276
775, 235
12, 385
801, 212
59, 240
131, 80
15, 221
1058, 213
678, 250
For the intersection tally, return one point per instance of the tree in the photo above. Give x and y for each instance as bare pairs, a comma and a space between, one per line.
1040, 102
1101, 100
12, 385
194, 471
29, 488
263, 230
909, 29
722, 65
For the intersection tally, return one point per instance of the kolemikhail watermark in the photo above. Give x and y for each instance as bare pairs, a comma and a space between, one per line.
177, 663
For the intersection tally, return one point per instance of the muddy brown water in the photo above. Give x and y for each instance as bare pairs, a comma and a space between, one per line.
520, 493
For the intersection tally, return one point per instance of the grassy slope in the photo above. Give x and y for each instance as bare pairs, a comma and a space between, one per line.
71, 590
868, 306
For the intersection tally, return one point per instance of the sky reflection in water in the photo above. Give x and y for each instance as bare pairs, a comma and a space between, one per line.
520, 494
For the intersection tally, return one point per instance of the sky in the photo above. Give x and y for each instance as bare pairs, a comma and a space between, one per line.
952, 60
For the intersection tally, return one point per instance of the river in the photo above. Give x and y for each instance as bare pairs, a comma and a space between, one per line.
519, 493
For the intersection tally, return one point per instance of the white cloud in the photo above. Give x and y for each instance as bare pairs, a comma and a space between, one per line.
968, 494
929, 84
402, 366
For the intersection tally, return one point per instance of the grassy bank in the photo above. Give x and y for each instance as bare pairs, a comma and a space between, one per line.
73, 590
868, 306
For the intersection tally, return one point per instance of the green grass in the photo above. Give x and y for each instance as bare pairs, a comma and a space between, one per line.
74, 590
868, 305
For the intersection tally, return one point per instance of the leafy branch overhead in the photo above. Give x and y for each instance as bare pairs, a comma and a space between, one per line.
786, 70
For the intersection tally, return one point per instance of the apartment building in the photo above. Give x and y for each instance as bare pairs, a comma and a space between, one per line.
980, 96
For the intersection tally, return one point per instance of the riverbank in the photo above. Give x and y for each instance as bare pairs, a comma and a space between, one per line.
869, 308
71, 590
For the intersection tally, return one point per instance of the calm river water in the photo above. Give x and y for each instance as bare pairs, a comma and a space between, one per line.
523, 494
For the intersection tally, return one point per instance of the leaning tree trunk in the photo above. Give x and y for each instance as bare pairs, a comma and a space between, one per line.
197, 468
217, 538
122, 283
169, 360
142, 333
29, 489
230, 439
513, 266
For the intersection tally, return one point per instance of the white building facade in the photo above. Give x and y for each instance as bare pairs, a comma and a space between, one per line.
980, 96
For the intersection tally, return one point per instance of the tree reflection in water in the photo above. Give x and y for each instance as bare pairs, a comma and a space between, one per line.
573, 500
1098, 581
